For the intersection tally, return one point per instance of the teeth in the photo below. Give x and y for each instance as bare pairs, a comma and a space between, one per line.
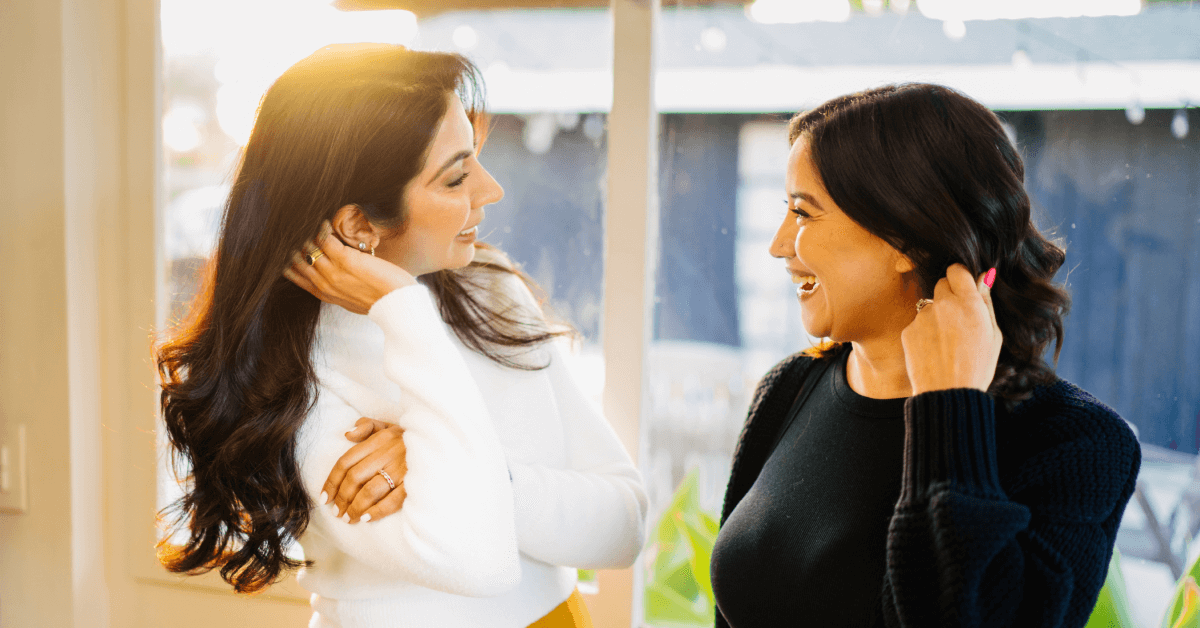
807, 282
467, 232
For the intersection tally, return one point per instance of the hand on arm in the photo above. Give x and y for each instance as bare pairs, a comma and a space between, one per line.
356, 486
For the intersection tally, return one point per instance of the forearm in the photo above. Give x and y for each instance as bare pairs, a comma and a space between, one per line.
589, 519
961, 552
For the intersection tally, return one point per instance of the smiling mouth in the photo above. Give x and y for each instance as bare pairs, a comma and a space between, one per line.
805, 284
468, 232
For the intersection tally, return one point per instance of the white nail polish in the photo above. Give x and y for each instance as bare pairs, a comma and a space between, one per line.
324, 497
366, 518
346, 517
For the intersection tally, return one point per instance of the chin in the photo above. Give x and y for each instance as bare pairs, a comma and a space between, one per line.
816, 326
462, 259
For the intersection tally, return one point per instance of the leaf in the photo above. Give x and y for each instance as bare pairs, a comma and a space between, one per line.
1112, 606
701, 541
1178, 601
678, 590
666, 608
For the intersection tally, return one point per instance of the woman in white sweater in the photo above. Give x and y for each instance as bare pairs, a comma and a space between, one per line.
490, 476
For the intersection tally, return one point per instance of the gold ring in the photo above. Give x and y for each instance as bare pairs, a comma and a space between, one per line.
312, 256
922, 303
388, 478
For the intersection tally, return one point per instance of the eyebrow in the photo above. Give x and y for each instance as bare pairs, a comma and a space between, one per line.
806, 197
455, 158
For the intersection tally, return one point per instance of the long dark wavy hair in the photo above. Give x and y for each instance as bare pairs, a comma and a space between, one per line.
933, 173
350, 124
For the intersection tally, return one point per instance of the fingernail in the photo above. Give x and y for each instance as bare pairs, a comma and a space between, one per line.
990, 277
334, 509
366, 517
346, 517
324, 497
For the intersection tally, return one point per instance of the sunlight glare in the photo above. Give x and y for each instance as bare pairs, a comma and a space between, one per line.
254, 41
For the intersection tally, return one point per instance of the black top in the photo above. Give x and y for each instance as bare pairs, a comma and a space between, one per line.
1001, 518
836, 473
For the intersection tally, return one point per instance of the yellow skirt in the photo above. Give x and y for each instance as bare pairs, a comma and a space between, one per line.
570, 614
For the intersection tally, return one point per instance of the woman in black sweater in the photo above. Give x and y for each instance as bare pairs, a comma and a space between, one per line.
925, 467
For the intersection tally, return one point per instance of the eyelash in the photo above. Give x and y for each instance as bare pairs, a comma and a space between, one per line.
797, 211
459, 181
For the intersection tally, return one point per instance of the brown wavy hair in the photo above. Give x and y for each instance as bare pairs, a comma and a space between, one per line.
350, 124
933, 173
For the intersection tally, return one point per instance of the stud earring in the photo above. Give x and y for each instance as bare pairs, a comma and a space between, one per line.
362, 246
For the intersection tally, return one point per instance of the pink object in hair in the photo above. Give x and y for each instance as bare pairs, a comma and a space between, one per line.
989, 278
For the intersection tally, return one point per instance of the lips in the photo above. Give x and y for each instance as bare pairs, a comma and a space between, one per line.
468, 232
806, 282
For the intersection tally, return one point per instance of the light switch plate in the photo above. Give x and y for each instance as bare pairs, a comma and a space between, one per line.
14, 465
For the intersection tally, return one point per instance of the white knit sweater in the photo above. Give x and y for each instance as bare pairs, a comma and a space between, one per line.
470, 547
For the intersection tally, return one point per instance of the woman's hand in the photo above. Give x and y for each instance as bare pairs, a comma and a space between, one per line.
344, 276
359, 491
954, 342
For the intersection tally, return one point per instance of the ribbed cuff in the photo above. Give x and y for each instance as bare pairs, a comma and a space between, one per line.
950, 442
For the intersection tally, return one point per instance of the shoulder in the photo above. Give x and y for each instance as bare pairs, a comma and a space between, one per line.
778, 387
789, 371
1066, 412
1075, 449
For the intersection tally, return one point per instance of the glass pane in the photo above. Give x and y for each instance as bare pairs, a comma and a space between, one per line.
1099, 104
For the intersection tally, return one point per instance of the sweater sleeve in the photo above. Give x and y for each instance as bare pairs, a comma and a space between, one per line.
960, 552
456, 531
593, 513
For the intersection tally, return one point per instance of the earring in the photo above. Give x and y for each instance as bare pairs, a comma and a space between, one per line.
362, 246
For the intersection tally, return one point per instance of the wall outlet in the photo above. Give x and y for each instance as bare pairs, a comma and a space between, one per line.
14, 465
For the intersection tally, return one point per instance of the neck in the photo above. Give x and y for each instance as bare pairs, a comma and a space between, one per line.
876, 369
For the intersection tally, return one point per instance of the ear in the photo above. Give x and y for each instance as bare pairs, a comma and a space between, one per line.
903, 264
351, 226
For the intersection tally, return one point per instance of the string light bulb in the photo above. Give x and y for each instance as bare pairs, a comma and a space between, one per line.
1135, 112
1179, 124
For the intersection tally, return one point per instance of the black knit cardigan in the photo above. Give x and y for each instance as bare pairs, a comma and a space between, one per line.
1005, 518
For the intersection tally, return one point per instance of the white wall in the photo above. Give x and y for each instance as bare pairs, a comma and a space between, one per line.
78, 155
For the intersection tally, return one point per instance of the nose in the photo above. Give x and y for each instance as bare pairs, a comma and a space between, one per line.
489, 190
783, 245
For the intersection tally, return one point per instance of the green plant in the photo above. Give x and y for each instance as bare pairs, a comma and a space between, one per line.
1184, 610
1112, 606
678, 588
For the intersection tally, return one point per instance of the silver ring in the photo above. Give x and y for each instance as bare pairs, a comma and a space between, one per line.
388, 478
922, 303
